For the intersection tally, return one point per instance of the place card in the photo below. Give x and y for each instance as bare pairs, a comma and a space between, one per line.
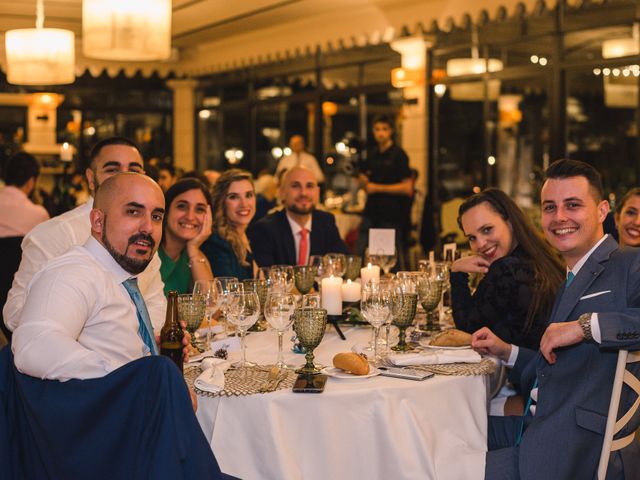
382, 241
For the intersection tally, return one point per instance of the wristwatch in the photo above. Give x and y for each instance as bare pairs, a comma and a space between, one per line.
584, 321
193, 260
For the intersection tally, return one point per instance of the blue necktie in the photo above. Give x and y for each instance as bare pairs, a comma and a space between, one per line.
527, 408
144, 329
570, 277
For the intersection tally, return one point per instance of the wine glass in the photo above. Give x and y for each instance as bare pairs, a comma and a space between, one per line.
317, 262
278, 310
352, 267
310, 325
211, 290
336, 264
304, 276
375, 307
243, 311
229, 285
282, 275
396, 297
191, 311
261, 288
387, 261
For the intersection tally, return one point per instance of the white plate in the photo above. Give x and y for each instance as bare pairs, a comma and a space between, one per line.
339, 373
425, 344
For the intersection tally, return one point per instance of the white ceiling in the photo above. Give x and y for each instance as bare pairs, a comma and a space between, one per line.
213, 35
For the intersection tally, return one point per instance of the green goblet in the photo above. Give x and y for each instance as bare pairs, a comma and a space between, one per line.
191, 310
304, 276
430, 294
352, 270
309, 324
404, 319
260, 287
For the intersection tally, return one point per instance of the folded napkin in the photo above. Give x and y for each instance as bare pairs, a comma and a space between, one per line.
435, 357
212, 377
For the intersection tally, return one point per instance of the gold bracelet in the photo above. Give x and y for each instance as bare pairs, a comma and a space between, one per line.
196, 259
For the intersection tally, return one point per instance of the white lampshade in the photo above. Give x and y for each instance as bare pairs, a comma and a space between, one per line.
619, 47
473, 91
472, 66
40, 56
126, 30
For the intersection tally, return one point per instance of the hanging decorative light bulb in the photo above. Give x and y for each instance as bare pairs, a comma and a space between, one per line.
126, 30
40, 56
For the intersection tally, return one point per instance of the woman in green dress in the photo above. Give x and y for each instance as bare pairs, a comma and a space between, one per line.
187, 224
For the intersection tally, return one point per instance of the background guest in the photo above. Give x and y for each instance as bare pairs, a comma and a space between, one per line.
187, 224
299, 157
291, 235
627, 219
166, 176
522, 273
266, 193
18, 214
234, 205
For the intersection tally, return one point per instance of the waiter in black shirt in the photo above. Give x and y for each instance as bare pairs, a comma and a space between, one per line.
386, 177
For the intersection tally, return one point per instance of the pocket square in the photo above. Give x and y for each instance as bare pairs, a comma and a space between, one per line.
597, 294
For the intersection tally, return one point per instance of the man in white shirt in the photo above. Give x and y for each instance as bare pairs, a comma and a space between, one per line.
57, 235
18, 214
79, 320
570, 380
298, 158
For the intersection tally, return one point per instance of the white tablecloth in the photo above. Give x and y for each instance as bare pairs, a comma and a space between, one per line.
376, 428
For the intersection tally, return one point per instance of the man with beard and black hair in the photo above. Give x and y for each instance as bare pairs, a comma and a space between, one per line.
79, 320
291, 235
90, 383
54, 237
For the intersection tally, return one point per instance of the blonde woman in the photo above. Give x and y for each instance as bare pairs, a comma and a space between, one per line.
234, 205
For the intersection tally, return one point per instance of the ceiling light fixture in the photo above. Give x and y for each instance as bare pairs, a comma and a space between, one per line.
126, 30
40, 56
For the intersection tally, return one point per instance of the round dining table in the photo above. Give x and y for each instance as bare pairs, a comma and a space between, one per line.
370, 428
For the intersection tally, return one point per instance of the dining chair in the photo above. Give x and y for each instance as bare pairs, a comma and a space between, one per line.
614, 425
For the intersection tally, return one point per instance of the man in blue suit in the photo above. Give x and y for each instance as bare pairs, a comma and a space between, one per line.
292, 234
570, 379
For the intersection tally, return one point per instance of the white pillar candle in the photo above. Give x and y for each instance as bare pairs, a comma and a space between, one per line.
370, 272
332, 295
350, 291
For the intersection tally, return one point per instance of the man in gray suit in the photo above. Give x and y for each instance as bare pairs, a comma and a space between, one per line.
570, 379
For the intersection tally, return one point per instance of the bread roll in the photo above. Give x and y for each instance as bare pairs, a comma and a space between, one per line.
351, 362
451, 338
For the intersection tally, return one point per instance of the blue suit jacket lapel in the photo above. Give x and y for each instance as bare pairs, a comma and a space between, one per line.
568, 297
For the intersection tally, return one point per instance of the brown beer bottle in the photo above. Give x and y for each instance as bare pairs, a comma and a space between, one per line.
171, 334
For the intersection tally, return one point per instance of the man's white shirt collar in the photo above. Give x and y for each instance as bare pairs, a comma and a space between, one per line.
104, 258
580, 263
295, 228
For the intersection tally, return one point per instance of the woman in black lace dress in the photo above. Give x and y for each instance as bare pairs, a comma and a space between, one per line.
521, 272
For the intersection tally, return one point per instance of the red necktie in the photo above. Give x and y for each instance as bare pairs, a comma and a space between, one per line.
304, 246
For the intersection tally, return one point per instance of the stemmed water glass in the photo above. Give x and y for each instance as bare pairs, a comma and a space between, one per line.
304, 276
191, 311
211, 290
278, 311
320, 268
407, 313
229, 285
376, 309
310, 325
243, 311
429, 291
